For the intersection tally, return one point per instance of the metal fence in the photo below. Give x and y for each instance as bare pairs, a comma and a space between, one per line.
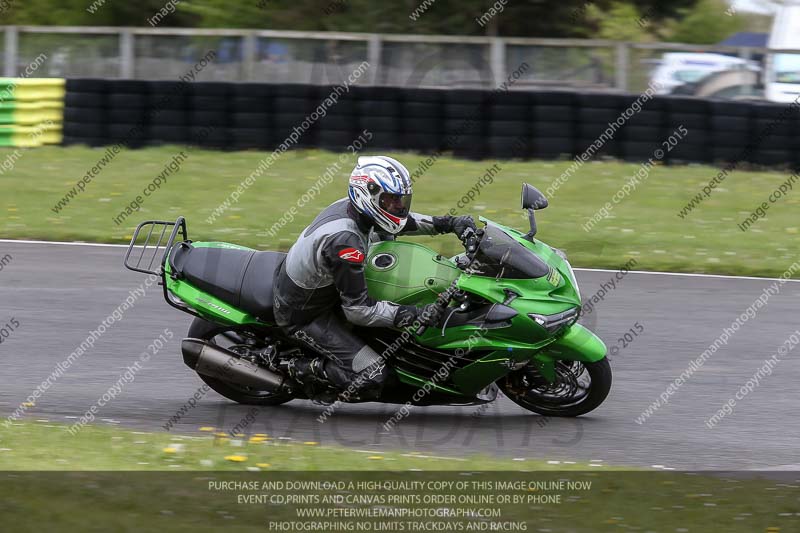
328, 57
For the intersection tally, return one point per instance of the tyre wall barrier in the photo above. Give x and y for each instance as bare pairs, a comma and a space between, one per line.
474, 124
31, 111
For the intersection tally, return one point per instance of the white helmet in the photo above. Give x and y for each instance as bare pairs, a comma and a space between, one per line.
380, 189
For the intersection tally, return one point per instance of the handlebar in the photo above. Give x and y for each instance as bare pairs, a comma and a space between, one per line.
471, 239
443, 301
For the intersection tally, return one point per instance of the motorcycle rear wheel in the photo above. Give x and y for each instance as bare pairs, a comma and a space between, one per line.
210, 332
578, 389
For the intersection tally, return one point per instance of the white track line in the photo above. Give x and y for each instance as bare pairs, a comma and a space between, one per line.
99, 244
686, 274
647, 272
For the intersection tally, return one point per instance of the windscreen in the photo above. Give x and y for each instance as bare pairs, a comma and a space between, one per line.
787, 68
503, 256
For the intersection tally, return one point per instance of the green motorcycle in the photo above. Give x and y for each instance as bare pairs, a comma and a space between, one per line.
511, 307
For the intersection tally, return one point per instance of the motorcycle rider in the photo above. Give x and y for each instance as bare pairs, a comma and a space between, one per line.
321, 286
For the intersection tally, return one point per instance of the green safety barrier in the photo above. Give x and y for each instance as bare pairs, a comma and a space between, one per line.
31, 111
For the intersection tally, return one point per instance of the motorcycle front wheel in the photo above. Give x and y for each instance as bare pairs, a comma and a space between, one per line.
578, 388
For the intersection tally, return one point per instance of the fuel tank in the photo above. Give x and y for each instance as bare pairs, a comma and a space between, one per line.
407, 272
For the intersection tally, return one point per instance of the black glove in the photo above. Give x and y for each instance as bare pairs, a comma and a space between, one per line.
457, 225
427, 315
462, 224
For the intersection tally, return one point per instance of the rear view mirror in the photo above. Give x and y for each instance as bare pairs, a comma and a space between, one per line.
532, 198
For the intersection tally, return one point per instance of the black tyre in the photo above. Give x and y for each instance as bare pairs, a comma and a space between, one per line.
87, 85
724, 123
84, 114
548, 130
646, 118
213, 333
461, 111
420, 125
386, 140
212, 88
250, 104
643, 134
250, 137
169, 117
504, 147
126, 86
688, 120
509, 112
292, 105
258, 91
609, 101
335, 139
677, 104
125, 116
423, 95
554, 147
593, 114
208, 103
379, 123
93, 100
556, 113
169, 134
421, 109
689, 153
127, 101
425, 141
250, 120
86, 130
508, 128
381, 108
639, 150
209, 118
579, 388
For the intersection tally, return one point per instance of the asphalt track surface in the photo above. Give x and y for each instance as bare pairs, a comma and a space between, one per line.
58, 293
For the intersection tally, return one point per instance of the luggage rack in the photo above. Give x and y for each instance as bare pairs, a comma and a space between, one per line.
148, 253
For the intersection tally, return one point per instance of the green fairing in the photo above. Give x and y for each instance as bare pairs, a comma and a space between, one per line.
412, 274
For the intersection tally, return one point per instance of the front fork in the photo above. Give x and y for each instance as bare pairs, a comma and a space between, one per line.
576, 344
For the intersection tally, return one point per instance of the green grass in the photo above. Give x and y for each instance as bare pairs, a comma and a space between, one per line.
98, 491
45, 446
644, 226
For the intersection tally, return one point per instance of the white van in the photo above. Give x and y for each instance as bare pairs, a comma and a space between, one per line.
679, 68
782, 80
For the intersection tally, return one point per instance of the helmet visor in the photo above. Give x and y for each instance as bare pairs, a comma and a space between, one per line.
395, 204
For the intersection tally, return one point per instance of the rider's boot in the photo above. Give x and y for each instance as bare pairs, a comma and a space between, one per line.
305, 370
312, 375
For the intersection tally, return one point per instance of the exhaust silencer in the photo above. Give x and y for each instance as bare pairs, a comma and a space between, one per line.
220, 363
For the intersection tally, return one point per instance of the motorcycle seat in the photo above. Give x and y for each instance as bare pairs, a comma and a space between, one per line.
241, 278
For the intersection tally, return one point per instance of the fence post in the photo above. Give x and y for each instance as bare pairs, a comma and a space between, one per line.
374, 57
745, 54
497, 61
622, 65
249, 46
126, 52
10, 55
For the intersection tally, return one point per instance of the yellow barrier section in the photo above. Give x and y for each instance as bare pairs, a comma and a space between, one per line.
31, 111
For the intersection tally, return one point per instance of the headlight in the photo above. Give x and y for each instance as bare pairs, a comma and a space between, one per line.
553, 323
